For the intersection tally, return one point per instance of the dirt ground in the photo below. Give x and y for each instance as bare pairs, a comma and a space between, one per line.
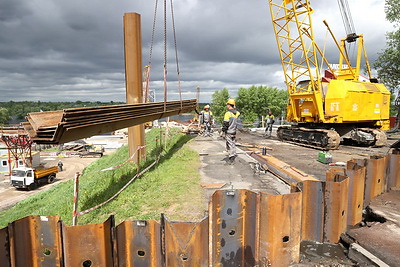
305, 158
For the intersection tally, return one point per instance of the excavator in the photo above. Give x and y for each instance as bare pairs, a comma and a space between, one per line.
338, 106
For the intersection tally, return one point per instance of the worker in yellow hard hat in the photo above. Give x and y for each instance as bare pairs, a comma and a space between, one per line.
229, 128
206, 119
270, 119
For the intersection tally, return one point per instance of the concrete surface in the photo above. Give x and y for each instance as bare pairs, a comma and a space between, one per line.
382, 239
245, 173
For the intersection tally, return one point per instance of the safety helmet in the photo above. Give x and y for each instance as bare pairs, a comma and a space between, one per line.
207, 107
231, 102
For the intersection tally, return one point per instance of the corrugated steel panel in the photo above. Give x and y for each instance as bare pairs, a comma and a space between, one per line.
62, 126
336, 206
234, 225
139, 244
375, 177
280, 224
313, 210
244, 228
35, 241
89, 245
4, 248
186, 243
394, 170
356, 174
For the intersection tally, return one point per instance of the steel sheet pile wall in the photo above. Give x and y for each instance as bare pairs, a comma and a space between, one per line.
54, 127
243, 228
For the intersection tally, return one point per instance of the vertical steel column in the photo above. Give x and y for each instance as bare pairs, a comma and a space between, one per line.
186, 243
35, 241
88, 245
280, 224
336, 206
394, 170
234, 228
356, 174
313, 210
133, 77
4, 248
139, 244
376, 177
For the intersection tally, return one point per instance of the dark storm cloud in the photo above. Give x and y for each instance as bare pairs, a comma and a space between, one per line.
73, 50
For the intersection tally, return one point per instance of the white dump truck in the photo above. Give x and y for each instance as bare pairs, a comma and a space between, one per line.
30, 178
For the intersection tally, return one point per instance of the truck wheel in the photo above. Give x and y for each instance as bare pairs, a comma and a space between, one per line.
32, 186
51, 179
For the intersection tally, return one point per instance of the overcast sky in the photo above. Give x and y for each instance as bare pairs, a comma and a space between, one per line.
57, 50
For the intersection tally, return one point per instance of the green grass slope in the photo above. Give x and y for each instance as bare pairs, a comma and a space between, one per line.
170, 187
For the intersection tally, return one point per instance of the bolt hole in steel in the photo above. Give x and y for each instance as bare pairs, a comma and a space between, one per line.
232, 232
229, 211
87, 263
358, 206
222, 242
184, 257
141, 253
285, 239
46, 252
379, 180
342, 212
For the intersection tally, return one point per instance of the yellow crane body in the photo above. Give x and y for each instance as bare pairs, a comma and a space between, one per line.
333, 107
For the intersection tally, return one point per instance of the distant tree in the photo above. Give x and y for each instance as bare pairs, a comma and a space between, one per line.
218, 105
388, 62
256, 101
4, 116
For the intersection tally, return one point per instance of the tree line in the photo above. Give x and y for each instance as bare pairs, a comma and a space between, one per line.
19, 110
253, 103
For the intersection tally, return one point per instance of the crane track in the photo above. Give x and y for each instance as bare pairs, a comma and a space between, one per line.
314, 138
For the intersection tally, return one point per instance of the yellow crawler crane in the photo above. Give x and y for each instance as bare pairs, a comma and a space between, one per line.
330, 108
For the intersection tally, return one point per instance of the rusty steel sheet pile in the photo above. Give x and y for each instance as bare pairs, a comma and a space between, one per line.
336, 205
394, 167
313, 209
243, 228
55, 127
356, 174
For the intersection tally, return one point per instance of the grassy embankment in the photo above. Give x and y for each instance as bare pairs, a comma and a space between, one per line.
171, 187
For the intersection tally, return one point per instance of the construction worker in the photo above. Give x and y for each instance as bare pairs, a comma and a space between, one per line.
60, 166
229, 128
206, 118
270, 121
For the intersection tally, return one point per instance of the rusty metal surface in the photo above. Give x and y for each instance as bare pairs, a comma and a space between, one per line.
4, 248
394, 170
356, 174
55, 127
35, 241
186, 243
285, 172
12, 131
139, 244
244, 228
376, 176
88, 245
380, 239
280, 224
313, 210
234, 223
336, 206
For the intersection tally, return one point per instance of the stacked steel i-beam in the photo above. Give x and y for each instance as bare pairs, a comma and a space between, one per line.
56, 127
